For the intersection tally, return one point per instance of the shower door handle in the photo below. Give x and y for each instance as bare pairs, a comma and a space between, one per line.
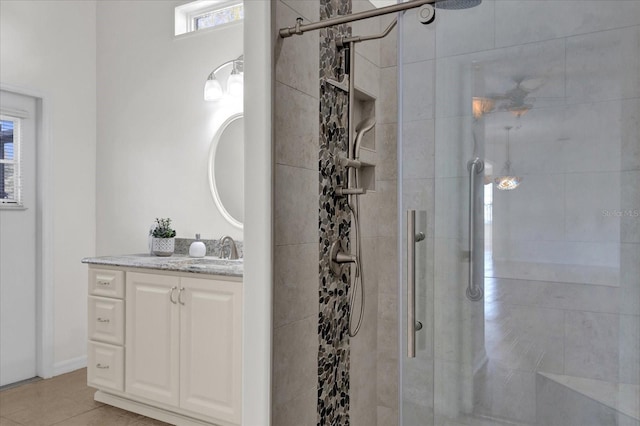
411, 283
475, 166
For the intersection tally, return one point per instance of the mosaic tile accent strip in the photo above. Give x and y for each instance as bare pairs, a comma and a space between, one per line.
334, 223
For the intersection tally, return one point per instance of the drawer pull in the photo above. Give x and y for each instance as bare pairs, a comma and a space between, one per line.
103, 319
102, 367
104, 283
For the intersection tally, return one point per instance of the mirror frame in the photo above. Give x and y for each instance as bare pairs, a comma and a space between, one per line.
212, 180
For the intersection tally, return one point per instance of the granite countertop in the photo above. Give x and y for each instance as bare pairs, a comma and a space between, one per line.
180, 263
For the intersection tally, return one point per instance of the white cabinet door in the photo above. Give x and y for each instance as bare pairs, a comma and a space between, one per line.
210, 348
152, 337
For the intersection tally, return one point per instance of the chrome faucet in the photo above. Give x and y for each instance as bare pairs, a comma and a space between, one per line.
233, 252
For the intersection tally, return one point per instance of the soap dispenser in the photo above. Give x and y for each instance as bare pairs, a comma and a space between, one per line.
197, 248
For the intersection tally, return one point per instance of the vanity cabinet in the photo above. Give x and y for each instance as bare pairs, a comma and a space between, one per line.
105, 353
181, 350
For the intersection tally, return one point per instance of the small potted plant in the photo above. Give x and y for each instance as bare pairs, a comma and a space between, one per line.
163, 237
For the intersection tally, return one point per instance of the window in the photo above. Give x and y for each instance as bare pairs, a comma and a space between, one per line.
10, 161
202, 14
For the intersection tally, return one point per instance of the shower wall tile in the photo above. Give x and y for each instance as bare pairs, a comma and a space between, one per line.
387, 105
307, 9
418, 150
363, 344
369, 49
296, 124
386, 144
525, 338
630, 155
387, 209
519, 22
418, 99
505, 393
535, 212
589, 201
369, 220
417, 395
419, 39
603, 66
388, 382
630, 206
367, 77
574, 138
295, 287
418, 195
296, 58
465, 30
363, 390
387, 416
591, 345
296, 202
389, 44
451, 211
554, 295
630, 279
300, 411
387, 265
630, 349
387, 326
417, 413
294, 371
593, 137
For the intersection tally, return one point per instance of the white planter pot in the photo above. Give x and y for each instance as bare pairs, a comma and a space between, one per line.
163, 246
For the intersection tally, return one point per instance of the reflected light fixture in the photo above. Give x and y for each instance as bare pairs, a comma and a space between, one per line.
481, 106
507, 181
213, 89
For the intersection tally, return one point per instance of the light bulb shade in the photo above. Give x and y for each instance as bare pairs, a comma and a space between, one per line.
235, 85
507, 183
212, 90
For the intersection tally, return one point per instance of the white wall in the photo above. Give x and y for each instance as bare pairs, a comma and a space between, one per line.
49, 48
154, 129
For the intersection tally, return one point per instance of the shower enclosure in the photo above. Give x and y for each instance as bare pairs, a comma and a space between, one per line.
527, 299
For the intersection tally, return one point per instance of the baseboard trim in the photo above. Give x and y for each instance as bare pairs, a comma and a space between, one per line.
69, 365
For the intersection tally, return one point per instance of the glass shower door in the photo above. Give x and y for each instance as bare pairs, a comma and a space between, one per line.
520, 148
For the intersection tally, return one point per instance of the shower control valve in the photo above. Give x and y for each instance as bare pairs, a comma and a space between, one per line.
338, 256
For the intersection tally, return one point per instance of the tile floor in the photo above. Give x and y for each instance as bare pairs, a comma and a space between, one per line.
64, 400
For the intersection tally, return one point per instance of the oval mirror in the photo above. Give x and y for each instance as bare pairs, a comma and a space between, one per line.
226, 169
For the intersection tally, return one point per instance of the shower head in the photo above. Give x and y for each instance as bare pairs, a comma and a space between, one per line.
363, 127
456, 4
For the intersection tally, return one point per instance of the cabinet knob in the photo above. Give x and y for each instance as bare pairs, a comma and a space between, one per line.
174, 288
180, 296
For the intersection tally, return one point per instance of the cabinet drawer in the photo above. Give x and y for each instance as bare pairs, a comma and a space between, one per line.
105, 366
106, 320
105, 282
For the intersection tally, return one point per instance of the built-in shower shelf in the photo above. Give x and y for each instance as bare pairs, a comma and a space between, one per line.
604, 399
365, 107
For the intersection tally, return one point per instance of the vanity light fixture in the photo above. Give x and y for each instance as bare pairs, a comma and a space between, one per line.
213, 89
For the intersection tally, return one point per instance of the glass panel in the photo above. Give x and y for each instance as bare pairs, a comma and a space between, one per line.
6, 140
548, 98
7, 182
219, 17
